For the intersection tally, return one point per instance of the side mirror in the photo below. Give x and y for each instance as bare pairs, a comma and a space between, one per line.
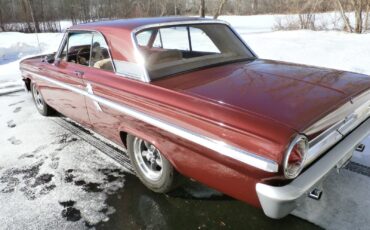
49, 58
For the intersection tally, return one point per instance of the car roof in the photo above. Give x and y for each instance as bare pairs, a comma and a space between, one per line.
118, 33
133, 23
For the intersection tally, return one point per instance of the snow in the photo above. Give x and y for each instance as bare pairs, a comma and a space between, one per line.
52, 180
251, 24
331, 49
15, 46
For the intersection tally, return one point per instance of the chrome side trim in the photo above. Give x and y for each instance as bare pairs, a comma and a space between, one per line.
220, 147
350, 116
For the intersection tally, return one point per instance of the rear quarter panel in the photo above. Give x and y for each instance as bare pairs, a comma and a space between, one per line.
215, 170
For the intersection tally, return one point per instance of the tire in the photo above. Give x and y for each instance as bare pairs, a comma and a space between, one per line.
41, 106
152, 168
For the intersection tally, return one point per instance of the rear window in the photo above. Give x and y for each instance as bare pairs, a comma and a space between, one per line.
175, 49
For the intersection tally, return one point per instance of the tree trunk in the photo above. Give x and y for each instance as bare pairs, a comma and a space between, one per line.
202, 10
1, 20
163, 9
25, 8
254, 6
219, 10
358, 6
175, 6
344, 17
367, 15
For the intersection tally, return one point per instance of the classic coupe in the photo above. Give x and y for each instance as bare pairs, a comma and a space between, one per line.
187, 97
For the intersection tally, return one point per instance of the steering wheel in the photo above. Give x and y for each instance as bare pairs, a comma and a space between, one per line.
79, 58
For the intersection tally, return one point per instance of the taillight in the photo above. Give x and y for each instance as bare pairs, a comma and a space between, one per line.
295, 157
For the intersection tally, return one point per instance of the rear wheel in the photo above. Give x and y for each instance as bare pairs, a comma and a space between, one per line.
152, 168
40, 104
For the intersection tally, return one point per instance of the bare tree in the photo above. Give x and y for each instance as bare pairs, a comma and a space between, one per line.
254, 6
367, 15
16, 15
220, 8
26, 9
307, 17
202, 9
358, 6
175, 6
344, 16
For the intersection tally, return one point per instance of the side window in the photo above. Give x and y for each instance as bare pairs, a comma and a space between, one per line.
158, 40
175, 38
200, 42
144, 37
100, 58
79, 47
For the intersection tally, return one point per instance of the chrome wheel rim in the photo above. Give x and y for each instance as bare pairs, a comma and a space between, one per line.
39, 101
149, 159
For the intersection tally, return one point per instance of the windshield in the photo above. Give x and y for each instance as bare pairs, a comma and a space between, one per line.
175, 49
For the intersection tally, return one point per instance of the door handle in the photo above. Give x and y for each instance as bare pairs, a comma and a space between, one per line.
79, 73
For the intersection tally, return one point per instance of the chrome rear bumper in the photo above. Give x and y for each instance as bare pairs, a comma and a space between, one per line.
277, 202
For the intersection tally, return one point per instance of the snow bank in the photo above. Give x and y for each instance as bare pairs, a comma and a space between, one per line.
338, 50
15, 46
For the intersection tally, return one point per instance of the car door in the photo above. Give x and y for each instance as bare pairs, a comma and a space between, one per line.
99, 80
71, 63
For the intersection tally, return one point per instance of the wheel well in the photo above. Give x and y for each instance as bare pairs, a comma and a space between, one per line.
27, 82
123, 136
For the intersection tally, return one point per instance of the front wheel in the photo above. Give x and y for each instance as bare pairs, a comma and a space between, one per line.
40, 104
152, 168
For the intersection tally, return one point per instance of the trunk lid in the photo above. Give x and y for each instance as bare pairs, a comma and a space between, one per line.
293, 95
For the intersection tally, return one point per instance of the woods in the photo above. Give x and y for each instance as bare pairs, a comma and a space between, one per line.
47, 15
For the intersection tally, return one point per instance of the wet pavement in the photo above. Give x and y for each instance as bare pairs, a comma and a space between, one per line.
138, 208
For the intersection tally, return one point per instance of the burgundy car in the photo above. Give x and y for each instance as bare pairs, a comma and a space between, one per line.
187, 97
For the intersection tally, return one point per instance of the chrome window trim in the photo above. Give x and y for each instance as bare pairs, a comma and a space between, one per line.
109, 52
146, 77
220, 147
61, 46
351, 114
137, 54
